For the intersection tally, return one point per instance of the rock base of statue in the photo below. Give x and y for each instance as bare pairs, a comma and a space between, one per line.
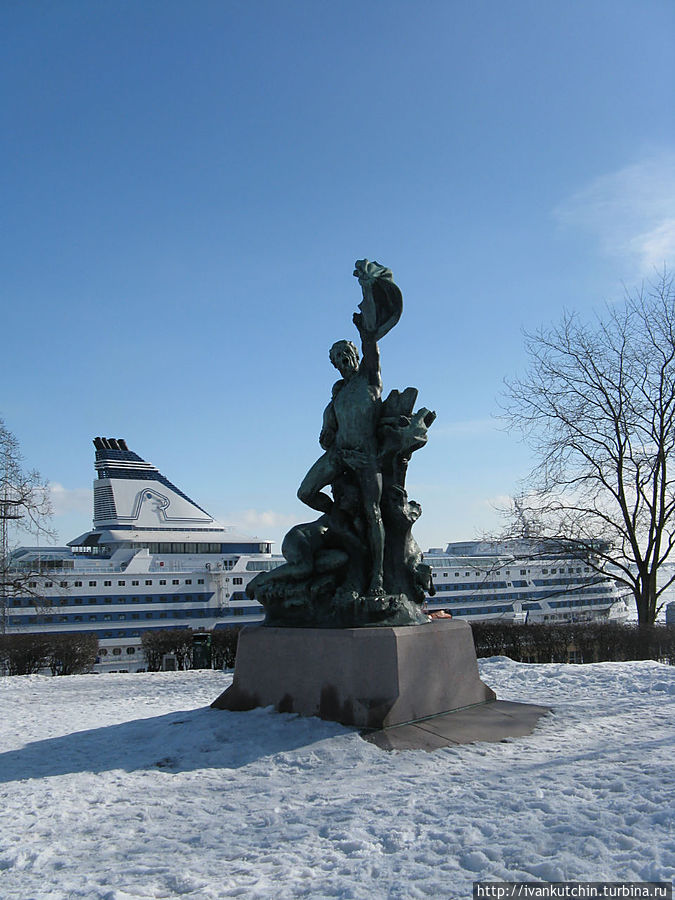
340, 609
373, 678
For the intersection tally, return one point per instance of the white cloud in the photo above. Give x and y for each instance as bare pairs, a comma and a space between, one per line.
630, 212
257, 520
657, 246
65, 500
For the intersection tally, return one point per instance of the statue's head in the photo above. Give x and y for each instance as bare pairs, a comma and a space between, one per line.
345, 357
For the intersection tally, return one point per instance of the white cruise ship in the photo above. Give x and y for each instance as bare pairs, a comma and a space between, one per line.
517, 581
153, 559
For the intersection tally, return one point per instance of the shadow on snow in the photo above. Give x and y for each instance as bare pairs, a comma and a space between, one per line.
176, 742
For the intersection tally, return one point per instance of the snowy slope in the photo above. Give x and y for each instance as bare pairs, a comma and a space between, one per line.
128, 787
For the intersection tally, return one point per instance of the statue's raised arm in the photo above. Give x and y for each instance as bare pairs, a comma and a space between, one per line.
382, 302
381, 308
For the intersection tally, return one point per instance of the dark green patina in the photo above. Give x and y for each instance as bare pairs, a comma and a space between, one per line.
357, 564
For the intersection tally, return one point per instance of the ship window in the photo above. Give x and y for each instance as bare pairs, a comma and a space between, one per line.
148, 599
107, 584
106, 618
135, 615
121, 615
175, 581
103, 652
48, 584
241, 581
121, 583
162, 580
92, 584
78, 584
92, 617
188, 597
131, 650
148, 615
77, 618
200, 581
523, 571
32, 584
188, 581
162, 600
108, 600
148, 581
162, 615
117, 651
63, 584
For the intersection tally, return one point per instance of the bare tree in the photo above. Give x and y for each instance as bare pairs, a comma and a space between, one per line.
597, 405
25, 505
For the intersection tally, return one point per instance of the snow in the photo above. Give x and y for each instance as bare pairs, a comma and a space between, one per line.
127, 787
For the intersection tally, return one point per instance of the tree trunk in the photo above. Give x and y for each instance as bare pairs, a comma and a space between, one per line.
645, 598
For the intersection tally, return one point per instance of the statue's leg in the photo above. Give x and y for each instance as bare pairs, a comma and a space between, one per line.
371, 492
322, 473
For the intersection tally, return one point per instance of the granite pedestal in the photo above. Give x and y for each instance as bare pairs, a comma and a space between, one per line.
369, 677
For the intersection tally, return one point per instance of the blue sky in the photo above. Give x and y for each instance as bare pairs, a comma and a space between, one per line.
186, 185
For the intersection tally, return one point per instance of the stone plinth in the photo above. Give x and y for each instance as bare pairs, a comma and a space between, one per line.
369, 677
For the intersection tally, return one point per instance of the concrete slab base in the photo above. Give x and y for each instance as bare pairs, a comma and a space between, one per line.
369, 677
496, 720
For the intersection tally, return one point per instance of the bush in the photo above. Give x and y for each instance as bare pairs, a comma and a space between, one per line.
592, 641
24, 654
224, 647
156, 644
71, 654
63, 654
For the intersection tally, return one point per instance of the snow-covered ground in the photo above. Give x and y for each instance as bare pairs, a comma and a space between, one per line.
128, 787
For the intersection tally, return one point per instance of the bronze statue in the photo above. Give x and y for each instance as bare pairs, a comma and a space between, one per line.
358, 563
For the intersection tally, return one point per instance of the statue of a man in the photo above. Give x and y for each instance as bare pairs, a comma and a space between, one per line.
349, 432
